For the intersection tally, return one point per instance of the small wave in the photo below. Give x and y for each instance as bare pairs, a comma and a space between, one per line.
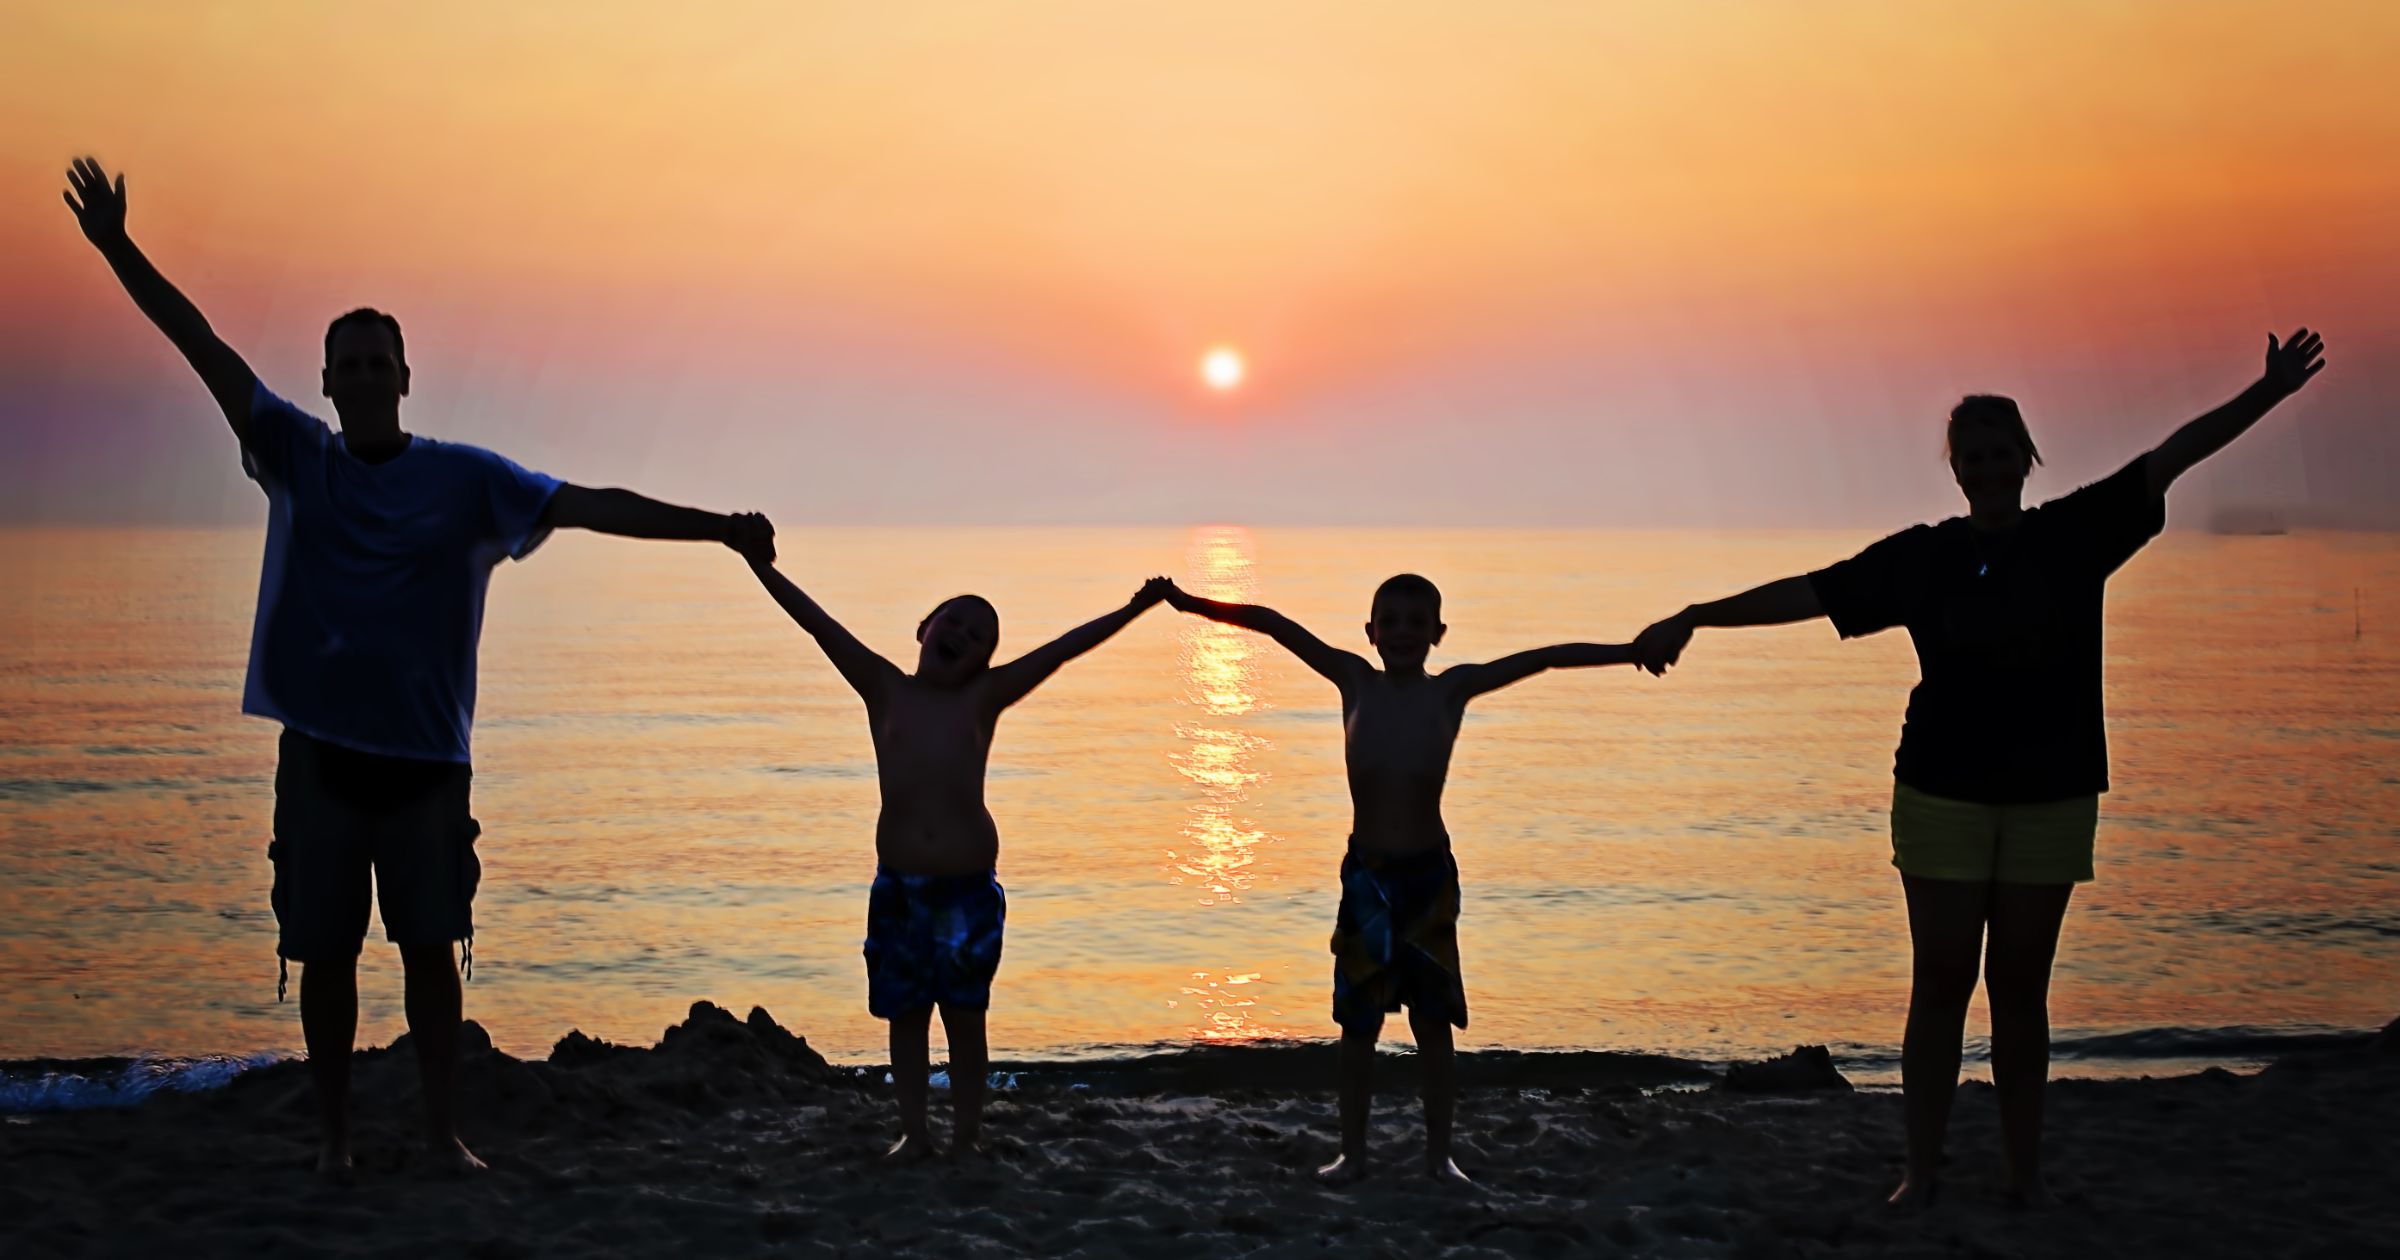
83, 1084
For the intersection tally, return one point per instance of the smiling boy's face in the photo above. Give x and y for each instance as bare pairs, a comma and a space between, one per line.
957, 639
1404, 627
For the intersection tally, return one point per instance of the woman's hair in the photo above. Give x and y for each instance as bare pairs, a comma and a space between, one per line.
1995, 412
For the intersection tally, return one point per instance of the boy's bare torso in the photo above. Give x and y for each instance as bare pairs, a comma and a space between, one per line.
1397, 740
931, 746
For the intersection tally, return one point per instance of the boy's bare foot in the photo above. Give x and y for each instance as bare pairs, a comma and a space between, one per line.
912, 1148
1915, 1193
1447, 1172
1343, 1170
453, 1157
335, 1165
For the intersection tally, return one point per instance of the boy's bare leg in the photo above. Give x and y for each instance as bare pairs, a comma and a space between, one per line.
2016, 976
909, 1033
1437, 1060
329, 1024
970, 1065
1945, 931
434, 1010
1357, 1079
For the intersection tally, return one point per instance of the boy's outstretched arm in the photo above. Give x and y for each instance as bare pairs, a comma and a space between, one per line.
1519, 666
868, 674
99, 208
1009, 683
1336, 665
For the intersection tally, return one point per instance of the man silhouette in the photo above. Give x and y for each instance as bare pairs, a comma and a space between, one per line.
380, 544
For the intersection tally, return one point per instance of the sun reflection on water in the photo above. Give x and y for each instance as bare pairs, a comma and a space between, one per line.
1220, 847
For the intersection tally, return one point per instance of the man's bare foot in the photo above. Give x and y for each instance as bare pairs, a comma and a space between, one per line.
1343, 1170
335, 1165
452, 1156
1915, 1193
912, 1148
1447, 1172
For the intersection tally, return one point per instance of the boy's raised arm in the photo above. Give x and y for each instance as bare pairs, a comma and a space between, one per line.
867, 673
1519, 666
1336, 665
1012, 682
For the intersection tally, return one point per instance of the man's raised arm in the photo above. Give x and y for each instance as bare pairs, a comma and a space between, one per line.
99, 208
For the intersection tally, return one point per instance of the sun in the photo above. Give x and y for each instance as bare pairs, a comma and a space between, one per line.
1223, 368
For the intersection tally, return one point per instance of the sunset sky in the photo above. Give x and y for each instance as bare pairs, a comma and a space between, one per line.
1559, 264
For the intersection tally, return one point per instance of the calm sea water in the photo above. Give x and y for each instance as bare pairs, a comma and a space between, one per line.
678, 796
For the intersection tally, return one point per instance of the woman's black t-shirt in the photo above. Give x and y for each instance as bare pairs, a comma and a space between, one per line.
2007, 629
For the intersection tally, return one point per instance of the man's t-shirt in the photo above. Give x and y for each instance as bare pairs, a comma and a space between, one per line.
370, 601
2007, 631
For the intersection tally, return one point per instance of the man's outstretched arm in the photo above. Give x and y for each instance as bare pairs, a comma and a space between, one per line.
629, 515
1336, 665
99, 208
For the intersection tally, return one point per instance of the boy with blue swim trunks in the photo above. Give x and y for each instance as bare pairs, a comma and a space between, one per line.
1395, 938
936, 910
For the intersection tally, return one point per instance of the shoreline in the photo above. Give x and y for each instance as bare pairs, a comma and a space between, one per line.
732, 1136
46, 1083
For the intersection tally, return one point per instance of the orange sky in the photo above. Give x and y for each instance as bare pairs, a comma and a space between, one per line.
1563, 263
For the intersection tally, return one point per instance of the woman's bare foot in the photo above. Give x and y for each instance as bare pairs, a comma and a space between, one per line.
1917, 1191
1343, 1170
912, 1148
1447, 1172
453, 1157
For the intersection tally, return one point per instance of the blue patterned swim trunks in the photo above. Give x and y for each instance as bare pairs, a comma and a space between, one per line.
932, 940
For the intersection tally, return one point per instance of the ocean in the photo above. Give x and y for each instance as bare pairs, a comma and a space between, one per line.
678, 798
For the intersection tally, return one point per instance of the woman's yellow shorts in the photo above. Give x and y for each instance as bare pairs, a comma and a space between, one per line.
2047, 842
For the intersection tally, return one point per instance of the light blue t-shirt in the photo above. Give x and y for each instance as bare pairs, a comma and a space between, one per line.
370, 601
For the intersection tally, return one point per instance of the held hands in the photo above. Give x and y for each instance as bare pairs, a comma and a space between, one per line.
1154, 591
99, 208
1662, 644
2291, 364
751, 535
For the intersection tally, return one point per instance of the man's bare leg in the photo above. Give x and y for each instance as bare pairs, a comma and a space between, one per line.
909, 1033
329, 1024
1357, 1080
434, 1010
1437, 1060
970, 1064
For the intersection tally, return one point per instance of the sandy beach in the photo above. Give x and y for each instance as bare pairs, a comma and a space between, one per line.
734, 1138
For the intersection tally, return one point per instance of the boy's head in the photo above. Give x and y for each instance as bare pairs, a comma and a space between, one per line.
1405, 621
366, 363
956, 639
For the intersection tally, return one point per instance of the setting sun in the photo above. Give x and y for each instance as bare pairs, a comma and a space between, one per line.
1222, 368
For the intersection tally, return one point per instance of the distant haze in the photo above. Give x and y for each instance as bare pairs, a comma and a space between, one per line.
1535, 264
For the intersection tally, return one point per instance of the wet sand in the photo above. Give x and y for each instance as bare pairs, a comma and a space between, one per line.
734, 1138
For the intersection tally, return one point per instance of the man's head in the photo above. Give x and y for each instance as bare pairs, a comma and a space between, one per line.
1405, 621
366, 365
956, 639
1991, 451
